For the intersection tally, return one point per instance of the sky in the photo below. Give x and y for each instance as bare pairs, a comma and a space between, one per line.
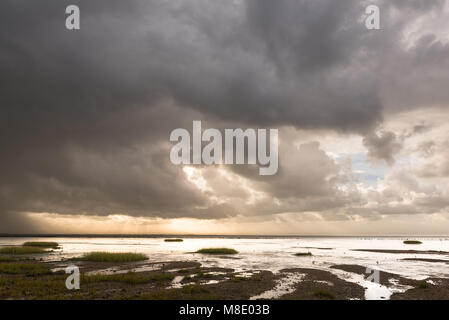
86, 116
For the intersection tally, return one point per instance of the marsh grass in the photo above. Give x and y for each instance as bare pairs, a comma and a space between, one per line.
41, 244
256, 277
173, 240
7, 259
113, 257
302, 254
423, 285
183, 271
33, 288
28, 269
412, 242
238, 279
217, 251
323, 294
189, 292
192, 289
130, 278
21, 250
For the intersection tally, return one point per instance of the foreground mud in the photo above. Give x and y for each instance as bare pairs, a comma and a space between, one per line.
319, 285
31, 279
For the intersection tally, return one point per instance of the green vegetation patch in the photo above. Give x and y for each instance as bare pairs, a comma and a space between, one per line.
7, 259
323, 294
183, 271
173, 240
302, 254
29, 269
32, 288
412, 242
21, 250
238, 278
256, 277
217, 251
113, 257
41, 244
423, 285
130, 278
193, 289
188, 292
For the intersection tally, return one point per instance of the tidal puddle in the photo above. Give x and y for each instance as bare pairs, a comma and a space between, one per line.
119, 270
176, 282
283, 286
373, 290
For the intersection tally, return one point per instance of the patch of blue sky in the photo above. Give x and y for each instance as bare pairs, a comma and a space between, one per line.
366, 172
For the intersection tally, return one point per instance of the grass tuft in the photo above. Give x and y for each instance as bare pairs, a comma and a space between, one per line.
193, 289
7, 259
29, 269
301, 254
20, 288
217, 251
323, 294
238, 278
183, 271
188, 292
130, 277
113, 257
256, 277
412, 242
173, 240
21, 250
41, 244
423, 285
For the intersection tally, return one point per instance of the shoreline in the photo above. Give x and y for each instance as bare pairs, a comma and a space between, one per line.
226, 236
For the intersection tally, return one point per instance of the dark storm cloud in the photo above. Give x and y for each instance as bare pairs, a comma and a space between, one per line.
225, 60
382, 146
85, 115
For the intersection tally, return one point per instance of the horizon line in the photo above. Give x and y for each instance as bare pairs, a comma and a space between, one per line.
158, 235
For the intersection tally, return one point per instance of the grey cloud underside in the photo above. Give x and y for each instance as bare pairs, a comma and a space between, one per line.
85, 116
383, 146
